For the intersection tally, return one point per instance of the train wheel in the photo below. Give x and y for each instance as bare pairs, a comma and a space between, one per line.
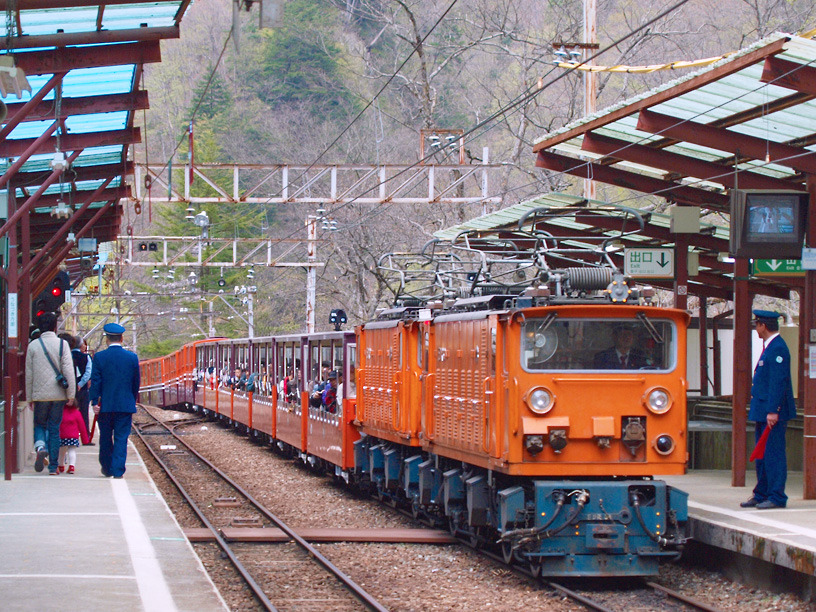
453, 526
507, 552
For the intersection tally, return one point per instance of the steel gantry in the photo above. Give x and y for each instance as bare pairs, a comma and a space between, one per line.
326, 187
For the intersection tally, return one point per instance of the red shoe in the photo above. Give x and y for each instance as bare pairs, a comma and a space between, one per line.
61, 469
70, 469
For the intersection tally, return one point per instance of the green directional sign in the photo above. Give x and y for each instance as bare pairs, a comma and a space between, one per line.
778, 267
648, 263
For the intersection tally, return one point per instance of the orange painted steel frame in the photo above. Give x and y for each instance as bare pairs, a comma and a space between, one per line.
457, 388
309, 430
390, 378
466, 390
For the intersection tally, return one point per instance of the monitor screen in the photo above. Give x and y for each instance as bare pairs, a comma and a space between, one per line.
768, 224
771, 217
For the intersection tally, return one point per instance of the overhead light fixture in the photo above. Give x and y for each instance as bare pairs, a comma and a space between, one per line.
12, 79
60, 162
61, 210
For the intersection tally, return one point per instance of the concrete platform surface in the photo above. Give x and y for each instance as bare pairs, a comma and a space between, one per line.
84, 542
785, 537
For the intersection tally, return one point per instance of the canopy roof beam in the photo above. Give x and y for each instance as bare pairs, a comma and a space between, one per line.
722, 139
84, 105
72, 142
680, 164
790, 75
100, 37
630, 180
50, 62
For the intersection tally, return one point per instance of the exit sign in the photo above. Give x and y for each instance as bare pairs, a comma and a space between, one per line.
778, 267
648, 263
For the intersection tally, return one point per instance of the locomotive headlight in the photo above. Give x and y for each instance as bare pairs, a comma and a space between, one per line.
664, 444
658, 400
540, 400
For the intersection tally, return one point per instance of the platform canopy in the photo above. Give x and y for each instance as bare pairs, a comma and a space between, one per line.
747, 121
83, 61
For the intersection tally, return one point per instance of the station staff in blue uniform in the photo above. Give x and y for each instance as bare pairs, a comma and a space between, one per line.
115, 382
772, 405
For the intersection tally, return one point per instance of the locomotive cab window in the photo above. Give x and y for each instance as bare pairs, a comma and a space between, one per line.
598, 344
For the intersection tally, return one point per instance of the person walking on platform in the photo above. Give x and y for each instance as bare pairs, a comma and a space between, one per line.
772, 405
115, 383
83, 365
50, 383
72, 429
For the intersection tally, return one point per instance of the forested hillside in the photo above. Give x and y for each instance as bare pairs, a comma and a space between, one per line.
284, 95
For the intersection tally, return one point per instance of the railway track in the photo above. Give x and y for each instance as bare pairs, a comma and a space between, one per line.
655, 592
612, 599
305, 586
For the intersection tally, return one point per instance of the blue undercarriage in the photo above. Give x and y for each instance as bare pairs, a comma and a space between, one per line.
580, 527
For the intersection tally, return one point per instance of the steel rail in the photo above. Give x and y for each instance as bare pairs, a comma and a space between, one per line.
358, 591
582, 599
680, 597
254, 586
586, 601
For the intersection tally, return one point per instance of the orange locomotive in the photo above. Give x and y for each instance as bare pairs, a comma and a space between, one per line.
529, 415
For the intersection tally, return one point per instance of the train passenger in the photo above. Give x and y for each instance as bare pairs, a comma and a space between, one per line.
328, 398
319, 386
623, 355
252, 383
241, 382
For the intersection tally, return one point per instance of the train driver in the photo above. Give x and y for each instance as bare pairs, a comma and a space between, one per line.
623, 355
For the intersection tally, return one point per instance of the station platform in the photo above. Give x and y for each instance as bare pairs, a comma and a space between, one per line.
774, 548
85, 542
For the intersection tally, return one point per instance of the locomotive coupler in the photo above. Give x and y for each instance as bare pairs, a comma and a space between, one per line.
633, 435
558, 439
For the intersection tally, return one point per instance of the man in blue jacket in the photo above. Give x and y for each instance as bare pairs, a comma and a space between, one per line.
772, 405
115, 382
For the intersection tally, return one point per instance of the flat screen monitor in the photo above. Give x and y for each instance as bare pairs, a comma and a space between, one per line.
768, 224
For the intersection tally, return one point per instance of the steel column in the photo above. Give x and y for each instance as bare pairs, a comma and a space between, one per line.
742, 371
681, 277
807, 327
703, 318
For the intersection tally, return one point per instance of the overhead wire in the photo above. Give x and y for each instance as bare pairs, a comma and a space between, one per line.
532, 91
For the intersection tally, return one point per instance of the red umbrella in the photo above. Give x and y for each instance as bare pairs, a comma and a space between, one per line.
759, 449
93, 428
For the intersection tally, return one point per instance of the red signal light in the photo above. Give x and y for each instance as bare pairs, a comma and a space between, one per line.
56, 291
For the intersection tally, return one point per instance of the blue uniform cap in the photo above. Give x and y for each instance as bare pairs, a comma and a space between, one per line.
113, 329
763, 316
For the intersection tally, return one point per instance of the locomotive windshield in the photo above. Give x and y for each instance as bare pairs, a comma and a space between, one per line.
598, 344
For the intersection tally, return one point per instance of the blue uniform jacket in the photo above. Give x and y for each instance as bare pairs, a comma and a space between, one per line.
772, 390
115, 380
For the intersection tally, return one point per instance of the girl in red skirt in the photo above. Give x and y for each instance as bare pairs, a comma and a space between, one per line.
71, 430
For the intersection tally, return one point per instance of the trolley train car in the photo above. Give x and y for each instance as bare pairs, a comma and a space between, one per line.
529, 415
